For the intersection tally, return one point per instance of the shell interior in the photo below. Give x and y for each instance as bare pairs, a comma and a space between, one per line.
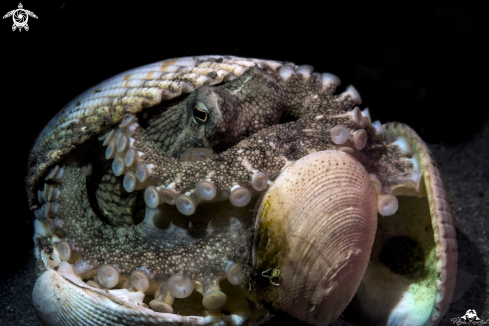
412, 271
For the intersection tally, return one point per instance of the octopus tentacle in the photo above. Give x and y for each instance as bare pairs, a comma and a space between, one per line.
105, 104
168, 269
187, 184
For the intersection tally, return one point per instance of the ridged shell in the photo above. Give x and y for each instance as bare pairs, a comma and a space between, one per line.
62, 299
106, 103
316, 226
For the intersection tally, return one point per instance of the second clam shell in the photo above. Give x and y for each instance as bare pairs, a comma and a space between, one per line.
325, 196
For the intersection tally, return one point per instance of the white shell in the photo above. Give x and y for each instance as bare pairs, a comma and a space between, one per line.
63, 299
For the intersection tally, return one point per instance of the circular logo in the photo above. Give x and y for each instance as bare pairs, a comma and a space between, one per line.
20, 18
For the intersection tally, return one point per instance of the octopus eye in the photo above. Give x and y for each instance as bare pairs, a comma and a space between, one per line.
199, 114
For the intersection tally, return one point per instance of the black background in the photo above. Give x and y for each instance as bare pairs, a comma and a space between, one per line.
417, 62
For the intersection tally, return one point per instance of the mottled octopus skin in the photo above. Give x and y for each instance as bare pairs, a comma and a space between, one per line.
234, 107
249, 102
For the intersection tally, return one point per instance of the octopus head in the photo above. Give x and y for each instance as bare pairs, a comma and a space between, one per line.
218, 117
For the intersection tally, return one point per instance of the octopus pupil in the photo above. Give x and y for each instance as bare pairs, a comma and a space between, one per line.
200, 116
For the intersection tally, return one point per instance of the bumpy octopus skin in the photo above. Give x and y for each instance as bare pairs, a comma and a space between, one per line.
206, 154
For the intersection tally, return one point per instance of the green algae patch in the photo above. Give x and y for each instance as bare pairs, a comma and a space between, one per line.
271, 240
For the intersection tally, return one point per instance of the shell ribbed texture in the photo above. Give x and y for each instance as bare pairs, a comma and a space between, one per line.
326, 196
60, 302
91, 307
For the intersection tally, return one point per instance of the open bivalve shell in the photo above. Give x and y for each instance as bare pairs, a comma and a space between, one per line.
144, 189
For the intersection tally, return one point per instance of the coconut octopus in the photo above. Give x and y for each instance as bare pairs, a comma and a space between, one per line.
216, 190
